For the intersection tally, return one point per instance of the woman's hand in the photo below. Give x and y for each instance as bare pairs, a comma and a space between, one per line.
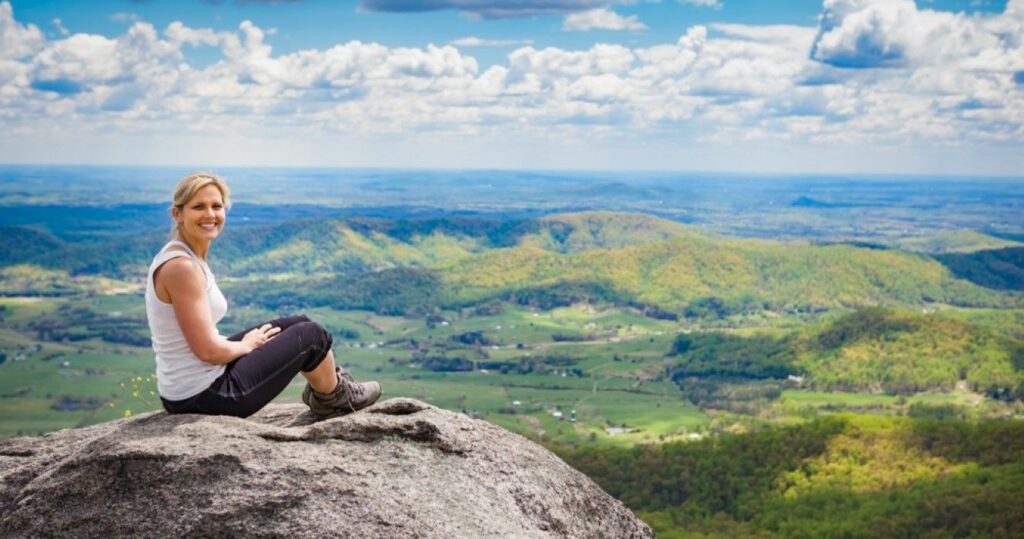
259, 336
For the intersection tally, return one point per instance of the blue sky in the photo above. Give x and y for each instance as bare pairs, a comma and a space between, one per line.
840, 86
319, 24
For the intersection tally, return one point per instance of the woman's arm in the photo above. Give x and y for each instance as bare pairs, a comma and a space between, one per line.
184, 284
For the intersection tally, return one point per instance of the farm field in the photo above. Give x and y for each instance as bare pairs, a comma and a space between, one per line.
45, 386
602, 382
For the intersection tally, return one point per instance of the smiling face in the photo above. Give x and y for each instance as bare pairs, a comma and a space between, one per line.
201, 219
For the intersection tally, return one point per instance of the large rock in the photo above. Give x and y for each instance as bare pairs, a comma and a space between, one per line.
400, 468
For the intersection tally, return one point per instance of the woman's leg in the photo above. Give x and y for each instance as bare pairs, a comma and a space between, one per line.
283, 323
253, 380
323, 377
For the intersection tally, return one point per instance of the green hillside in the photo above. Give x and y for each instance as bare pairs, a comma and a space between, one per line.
739, 275
627, 259
960, 241
849, 476
126, 257
315, 246
298, 247
603, 257
872, 350
905, 352
585, 231
332, 246
1001, 269
20, 244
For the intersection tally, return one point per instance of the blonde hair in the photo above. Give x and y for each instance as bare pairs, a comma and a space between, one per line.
190, 185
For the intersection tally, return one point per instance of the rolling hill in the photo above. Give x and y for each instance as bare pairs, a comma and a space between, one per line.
870, 350
584, 231
960, 241
630, 259
901, 351
1002, 269
739, 274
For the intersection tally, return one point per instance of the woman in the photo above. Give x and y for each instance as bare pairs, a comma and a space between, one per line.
199, 370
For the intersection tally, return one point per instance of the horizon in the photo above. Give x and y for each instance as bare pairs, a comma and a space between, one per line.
655, 174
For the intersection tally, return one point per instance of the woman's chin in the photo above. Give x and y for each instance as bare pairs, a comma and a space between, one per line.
207, 235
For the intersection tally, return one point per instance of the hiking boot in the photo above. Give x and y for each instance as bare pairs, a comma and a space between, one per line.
347, 397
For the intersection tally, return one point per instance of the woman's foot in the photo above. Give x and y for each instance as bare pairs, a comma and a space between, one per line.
347, 397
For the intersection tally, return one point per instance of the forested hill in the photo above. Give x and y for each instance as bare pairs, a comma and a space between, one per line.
632, 259
993, 268
842, 476
27, 244
335, 244
585, 231
874, 349
725, 275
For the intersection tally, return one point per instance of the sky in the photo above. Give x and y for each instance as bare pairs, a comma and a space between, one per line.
752, 86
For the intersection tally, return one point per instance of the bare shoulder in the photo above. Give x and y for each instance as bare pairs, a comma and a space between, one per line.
177, 272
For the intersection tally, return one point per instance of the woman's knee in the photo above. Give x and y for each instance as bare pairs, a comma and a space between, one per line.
289, 321
317, 335
316, 343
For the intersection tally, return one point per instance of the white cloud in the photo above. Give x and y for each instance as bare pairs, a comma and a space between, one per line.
490, 9
553, 63
717, 4
17, 40
895, 33
600, 88
472, 41
601, 19
771, 33
59, 25
936, 79
941, 72
124, 17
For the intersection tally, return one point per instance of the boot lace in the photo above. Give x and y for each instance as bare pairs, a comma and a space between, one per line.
352, 390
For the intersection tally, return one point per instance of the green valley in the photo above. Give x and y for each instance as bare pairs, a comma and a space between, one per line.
720, 386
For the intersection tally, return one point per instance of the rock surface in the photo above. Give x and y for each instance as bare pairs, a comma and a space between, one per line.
400, 468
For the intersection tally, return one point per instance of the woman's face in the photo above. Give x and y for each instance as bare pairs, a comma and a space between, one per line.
202, 218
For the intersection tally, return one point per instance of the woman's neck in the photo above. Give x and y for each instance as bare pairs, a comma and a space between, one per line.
200, 248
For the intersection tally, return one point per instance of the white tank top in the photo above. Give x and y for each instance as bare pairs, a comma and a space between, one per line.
179, 373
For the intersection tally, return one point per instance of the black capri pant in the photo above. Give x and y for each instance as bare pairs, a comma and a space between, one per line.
253, 380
